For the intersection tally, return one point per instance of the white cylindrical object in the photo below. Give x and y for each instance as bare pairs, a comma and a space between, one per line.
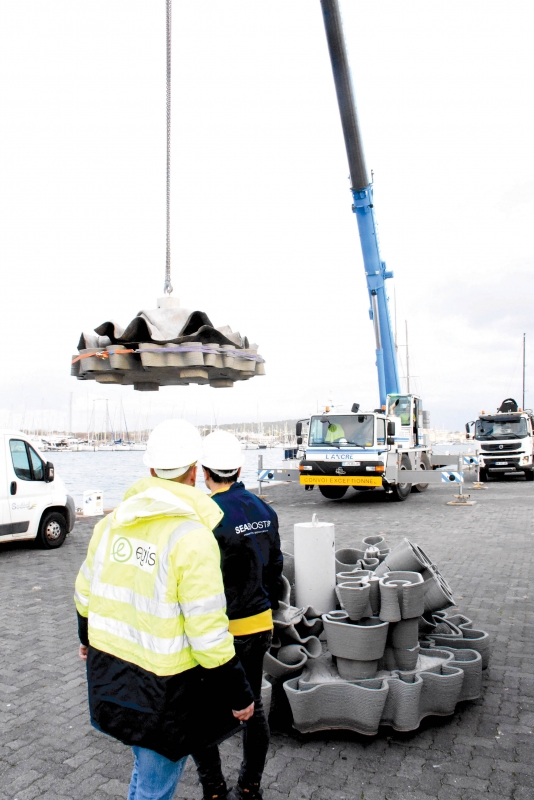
315, 565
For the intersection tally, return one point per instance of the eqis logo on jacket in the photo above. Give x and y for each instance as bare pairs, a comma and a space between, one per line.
133, 552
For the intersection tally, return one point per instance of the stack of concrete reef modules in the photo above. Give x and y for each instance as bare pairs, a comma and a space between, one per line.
394, 652
163, 347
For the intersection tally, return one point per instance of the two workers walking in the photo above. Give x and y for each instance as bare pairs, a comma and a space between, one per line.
174, 604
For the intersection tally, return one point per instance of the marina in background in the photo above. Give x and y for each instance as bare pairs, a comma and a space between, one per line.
113, 472
110, 432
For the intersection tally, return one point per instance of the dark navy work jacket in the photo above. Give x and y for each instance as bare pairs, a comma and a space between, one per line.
251, 560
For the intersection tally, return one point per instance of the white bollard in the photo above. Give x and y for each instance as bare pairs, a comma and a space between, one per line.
315, 565
93, 503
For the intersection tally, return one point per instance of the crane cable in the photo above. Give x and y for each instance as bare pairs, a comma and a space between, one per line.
167, 288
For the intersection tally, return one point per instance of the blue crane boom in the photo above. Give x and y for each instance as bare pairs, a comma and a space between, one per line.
362, 193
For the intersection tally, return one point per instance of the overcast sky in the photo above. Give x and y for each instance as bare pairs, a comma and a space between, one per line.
262, 231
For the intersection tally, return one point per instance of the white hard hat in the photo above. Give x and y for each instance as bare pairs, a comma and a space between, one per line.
172, 447
221, 452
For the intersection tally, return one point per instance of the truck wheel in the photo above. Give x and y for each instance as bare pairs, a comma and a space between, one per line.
424, 465
529, 475
484, 475
333, 492
52, 530
402, 490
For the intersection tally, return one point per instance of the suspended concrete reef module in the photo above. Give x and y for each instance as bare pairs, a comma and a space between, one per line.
167, 346
394, 651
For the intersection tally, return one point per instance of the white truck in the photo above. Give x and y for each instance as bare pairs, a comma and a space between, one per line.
366, 450
34, 503
504, 441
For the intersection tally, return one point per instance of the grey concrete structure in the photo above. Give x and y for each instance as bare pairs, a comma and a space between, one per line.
166, 346
48, 749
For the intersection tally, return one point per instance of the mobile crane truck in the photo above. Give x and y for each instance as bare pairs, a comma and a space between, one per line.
365, 449
386, 447
505, 441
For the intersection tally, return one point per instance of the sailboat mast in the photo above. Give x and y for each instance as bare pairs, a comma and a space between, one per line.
407, 360
524, 368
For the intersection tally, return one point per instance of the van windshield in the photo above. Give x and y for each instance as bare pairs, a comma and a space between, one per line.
501, 428
336, 430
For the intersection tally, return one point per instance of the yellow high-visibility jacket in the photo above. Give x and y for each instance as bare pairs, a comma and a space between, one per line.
151, 585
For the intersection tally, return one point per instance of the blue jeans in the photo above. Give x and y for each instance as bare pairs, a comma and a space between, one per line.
154, 777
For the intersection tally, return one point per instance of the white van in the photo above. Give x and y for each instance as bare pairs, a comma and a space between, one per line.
34, 504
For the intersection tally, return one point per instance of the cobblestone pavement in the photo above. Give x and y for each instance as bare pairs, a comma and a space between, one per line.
49, 750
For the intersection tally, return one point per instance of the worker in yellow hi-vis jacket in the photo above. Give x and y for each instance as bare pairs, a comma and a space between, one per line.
162, 672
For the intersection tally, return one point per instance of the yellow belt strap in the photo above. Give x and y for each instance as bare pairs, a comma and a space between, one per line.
255, 624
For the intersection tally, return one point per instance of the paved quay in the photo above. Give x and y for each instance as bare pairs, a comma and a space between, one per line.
49, 750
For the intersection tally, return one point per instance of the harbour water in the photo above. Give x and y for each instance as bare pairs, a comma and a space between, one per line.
113, 472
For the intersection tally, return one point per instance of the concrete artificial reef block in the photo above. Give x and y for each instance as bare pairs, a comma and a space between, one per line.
395, 652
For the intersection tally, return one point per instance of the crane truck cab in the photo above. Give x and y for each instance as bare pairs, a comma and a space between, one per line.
365, 450
505, 441
34, 503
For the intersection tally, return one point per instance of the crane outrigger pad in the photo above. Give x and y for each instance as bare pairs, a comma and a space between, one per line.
167, 346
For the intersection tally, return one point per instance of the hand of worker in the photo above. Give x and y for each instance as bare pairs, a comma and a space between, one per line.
82, 652
245, 714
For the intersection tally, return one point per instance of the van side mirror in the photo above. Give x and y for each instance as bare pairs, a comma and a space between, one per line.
298, 429
299, 439
391, 440
49, 472
391, 428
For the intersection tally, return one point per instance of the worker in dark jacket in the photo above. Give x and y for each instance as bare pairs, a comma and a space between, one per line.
251, 563
162, 672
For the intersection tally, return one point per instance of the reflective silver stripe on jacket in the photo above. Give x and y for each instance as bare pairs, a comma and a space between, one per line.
100, 554
86, 572
84, 601
197, 607
141, 603
155, 644
208, 641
